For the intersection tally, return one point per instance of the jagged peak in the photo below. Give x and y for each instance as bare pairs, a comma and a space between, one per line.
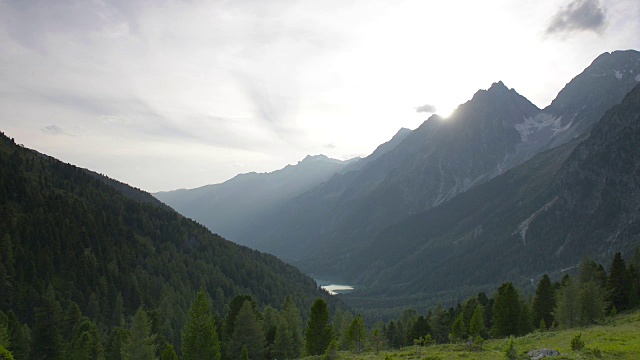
318, 157
498, 86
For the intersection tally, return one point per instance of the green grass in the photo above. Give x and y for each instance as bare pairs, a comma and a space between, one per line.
617, 339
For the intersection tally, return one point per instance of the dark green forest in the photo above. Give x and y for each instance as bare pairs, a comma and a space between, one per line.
74, 246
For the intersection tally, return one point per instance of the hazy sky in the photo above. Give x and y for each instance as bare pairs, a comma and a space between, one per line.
178, 94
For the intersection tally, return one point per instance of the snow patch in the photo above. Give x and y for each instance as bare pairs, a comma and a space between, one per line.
540, 122
524, 226
618, 74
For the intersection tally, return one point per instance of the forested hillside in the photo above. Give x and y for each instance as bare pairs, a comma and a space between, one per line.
67, 238
579, 199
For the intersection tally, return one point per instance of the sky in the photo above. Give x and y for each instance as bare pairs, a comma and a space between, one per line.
178, 94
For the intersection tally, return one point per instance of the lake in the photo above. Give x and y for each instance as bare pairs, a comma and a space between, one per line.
335, 289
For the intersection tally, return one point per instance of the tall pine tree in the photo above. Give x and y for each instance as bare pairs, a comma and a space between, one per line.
544, 302
506, 309
246, 333
46, 340
200, 339
319, 332
618, 283
141, 345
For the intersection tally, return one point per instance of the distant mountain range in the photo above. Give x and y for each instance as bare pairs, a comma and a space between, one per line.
227, 208
403, 220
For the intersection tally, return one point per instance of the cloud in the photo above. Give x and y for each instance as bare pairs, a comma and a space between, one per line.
426, 108
578, 15
54, 130
330, 146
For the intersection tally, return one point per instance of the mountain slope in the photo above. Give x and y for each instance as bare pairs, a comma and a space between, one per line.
67, 230
227, 208
579, 199
495, 131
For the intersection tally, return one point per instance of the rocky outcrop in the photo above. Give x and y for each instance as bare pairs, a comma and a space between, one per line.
542, 353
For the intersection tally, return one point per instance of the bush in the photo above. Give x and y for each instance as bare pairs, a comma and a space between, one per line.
510, 350
576, 343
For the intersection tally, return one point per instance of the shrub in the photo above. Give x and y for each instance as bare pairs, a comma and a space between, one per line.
510, 350
577, 343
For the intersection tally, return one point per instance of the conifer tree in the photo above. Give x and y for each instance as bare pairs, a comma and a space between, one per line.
593, 303
357, 333
141, 345
618, 283
46, 340
319, 332
17, 338
476, 327
200, 339
270, 320
291, 315
440, 324
420, 328
567, 312
544, 302
116, 342
458, 332
169, 353
283, 343
86, 342
525, 325
506, 309
246, 333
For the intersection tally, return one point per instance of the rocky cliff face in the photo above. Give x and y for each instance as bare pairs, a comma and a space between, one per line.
599, 186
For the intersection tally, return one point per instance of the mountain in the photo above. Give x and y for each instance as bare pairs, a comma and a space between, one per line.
496, 130
74, 235
227, 208
575, 200
582, 102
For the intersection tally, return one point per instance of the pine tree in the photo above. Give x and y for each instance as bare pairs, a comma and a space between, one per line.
283, 343
567, 312
544, 302
593, 303
357, 333
476, 327
229, 322
270, 320
440, 324
200, 339
506, 309
619, 284
458, 332
116, 342
17, 337
467, 310
46, 340
86, 342
420, 328
247, 333
319, 332
525, 325
168, 353
291, 315
141, 344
